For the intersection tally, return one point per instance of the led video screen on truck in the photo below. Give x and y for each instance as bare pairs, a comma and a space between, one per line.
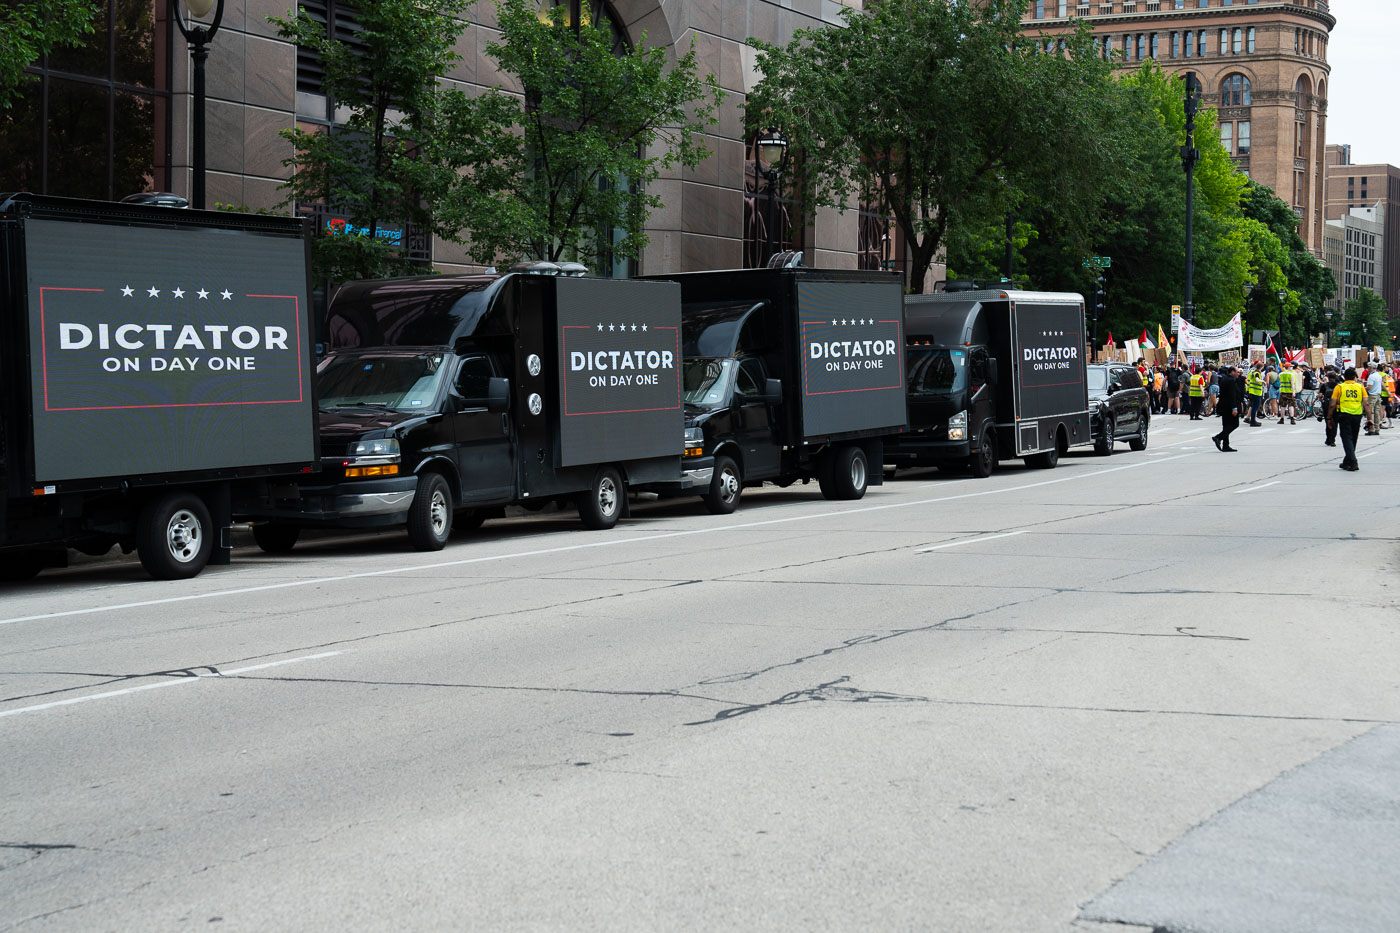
619, 370
1050, 359
851, 336
165, 350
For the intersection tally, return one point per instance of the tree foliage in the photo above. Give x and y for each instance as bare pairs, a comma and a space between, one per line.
371, 168
564, 172
32, 30
1364, 316
944, 111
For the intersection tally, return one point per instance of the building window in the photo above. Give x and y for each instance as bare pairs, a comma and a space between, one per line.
1141, 46
1061, 8
1039, 9
1176, 44
1243, 147
1190, 45
1249, 42
1224, 42
1179, 4
1227, 137
96, 122
1235, 91
1201, 44
1152, 46
1237, 41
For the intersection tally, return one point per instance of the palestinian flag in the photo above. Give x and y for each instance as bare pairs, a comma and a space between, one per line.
1145, 341
1271, 354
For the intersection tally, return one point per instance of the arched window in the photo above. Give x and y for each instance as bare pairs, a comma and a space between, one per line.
1249, 43
1234, 91
1302, 92
1237, 41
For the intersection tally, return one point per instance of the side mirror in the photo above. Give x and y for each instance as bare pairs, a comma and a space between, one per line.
773, 391
498, 394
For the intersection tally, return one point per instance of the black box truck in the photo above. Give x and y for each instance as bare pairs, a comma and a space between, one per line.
445, 398
156, 378
790, 374
993, 375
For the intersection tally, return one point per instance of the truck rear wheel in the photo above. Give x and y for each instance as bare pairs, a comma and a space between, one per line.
726, 485
275, 537
174, 536
601, 506
430, 516
847, 474
1047, 460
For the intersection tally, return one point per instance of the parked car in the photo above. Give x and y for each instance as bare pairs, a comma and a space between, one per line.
1121, 408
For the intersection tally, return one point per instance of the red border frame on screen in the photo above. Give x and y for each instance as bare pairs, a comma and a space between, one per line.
898, 328
564, 383
44, 349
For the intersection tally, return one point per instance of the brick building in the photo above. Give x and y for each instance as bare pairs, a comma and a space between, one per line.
113, 118
1371, 192
1263, 64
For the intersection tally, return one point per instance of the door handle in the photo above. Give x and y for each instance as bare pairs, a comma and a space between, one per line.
505, 424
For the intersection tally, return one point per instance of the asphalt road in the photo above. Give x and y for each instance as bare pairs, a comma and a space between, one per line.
1066, 700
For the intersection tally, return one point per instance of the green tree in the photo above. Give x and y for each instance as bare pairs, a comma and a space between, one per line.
372, 167
32, 30
564, 173
1365, 317
945, 110
1310, 284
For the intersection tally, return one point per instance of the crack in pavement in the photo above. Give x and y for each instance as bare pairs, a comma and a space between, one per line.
831, 691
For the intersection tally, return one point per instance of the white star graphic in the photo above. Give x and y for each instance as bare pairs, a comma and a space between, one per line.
153, 291
644, 327
202, 293
600, 326
833, 322
226, 294
634, 326
178, 293
844, 322
126, 291
611, 327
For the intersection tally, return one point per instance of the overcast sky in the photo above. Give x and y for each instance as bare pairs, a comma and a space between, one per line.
1365, 58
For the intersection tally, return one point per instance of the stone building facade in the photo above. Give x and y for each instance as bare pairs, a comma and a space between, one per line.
114, 119
1373, 190
1263, 64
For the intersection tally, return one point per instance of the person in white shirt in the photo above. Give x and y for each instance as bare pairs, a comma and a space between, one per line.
1374, 415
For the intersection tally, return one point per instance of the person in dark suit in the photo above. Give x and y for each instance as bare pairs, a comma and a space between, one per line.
1229, 407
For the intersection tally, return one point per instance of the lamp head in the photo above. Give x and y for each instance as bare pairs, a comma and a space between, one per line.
772, 148
199, 8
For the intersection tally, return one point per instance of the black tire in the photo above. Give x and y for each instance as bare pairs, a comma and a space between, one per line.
430, 516
601, 506
18, 567
1140, 442
984, 462
174, 536
849, 473
952, 467
1103, 444
1047, 460
726, 486
275, 537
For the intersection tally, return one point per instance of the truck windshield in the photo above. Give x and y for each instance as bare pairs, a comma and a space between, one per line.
709, 383
936, 370
399, 381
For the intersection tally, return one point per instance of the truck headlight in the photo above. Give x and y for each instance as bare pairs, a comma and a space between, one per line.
378, 457
694, 440
957, 426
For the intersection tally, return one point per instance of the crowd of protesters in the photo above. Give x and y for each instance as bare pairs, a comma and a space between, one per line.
1346, 398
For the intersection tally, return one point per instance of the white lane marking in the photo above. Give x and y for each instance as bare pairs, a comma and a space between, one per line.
939, 547
1238, 492
713, 529
166, 683
1364, 456
1194, 433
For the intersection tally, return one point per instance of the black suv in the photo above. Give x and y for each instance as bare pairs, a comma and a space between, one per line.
1120, 405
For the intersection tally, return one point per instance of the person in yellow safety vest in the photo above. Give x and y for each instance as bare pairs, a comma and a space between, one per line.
1196, 390
1388, 393
1290, 381
1254, 388
1347, 405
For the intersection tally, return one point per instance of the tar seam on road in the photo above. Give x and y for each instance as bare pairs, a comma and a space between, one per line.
316, 581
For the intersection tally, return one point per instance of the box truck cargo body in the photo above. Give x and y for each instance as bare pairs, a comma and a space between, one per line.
157, 378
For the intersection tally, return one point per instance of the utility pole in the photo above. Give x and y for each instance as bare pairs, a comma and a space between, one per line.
1189, 155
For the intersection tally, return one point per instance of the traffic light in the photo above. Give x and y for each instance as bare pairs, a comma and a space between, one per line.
1099, 298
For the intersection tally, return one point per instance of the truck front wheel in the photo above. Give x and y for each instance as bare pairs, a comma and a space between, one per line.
601, 506
726, 485
430, 516
174, 536
984, 461
847, 474
276, 538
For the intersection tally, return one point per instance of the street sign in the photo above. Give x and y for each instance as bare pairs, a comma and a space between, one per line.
1098, 262
1343, 333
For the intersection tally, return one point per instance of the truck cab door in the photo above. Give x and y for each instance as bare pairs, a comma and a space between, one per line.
754, 420
482, 437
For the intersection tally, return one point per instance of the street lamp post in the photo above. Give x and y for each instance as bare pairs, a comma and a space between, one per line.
1282, 296
772, 150
199, 37
1189, 155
